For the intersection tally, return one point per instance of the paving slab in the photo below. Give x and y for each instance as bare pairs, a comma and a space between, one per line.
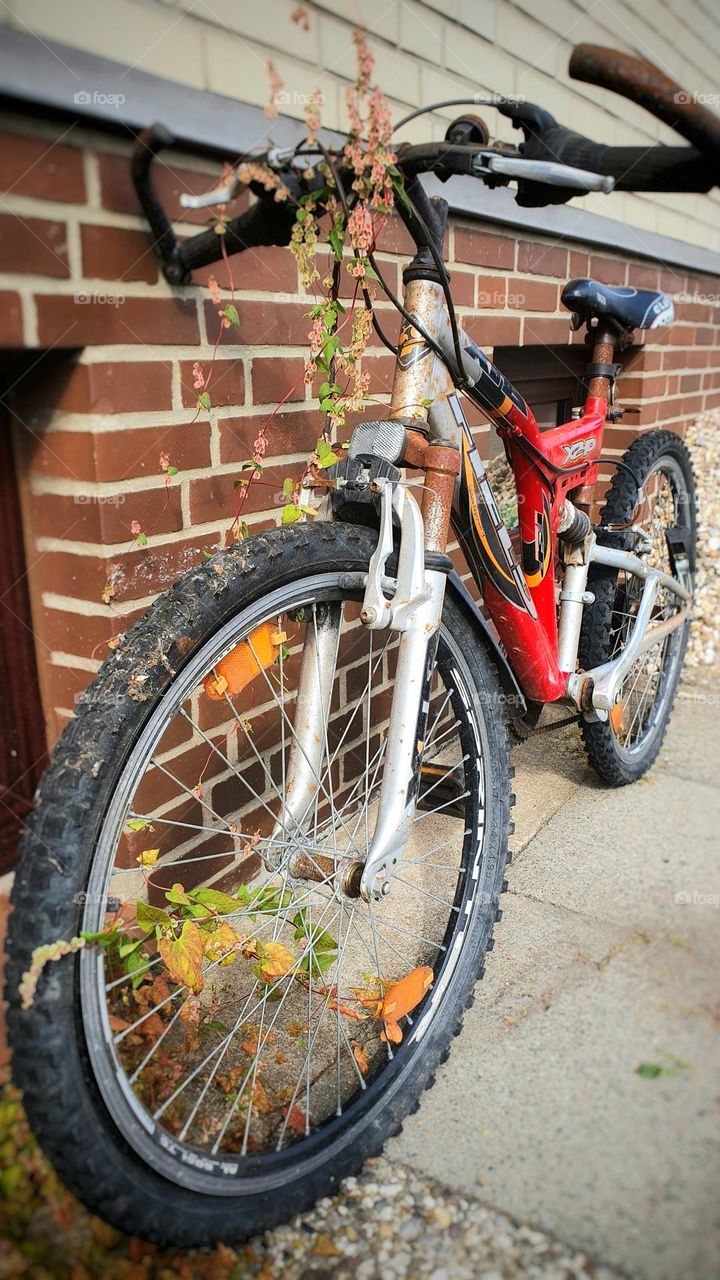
607, 960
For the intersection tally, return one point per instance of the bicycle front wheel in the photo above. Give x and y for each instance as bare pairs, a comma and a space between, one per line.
243, 1033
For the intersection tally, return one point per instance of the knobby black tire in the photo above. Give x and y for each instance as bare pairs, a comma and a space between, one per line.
644, 454
51, 1062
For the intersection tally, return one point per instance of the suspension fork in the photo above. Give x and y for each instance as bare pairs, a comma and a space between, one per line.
303, 774
413, 609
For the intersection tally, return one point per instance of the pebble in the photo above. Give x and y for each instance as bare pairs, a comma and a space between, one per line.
703, 441
392, 1224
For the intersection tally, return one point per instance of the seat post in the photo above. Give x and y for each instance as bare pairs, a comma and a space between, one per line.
599, 385
603, 354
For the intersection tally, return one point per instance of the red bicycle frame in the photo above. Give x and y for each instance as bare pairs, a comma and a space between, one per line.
519, 592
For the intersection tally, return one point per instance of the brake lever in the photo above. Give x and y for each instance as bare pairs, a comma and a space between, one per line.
545, 171
219, 195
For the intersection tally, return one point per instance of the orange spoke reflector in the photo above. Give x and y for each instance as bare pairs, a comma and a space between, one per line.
617, 717
402, 998
241, 665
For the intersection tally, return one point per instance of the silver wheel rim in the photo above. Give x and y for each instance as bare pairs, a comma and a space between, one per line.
178, 1157
649, 685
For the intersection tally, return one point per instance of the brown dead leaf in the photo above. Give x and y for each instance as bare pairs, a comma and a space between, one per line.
324, 1248
152, 1027
261, 1099
190, 1011
296, 1120
360, 1055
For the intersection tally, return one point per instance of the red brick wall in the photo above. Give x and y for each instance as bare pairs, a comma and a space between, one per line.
90, 426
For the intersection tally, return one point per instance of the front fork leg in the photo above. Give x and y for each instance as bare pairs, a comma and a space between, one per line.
405, 740
414, 609
308, 745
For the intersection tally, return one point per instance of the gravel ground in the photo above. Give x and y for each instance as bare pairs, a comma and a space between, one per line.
391, 1224
703, 440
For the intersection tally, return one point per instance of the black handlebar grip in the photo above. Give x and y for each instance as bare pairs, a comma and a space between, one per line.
633, 168
641, 82
149, 143
265, 223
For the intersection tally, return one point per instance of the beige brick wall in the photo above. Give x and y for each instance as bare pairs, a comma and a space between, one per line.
424, 50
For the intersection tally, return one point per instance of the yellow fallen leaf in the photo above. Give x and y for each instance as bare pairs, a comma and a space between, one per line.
221, 943
149, 857
183, 956
276, 960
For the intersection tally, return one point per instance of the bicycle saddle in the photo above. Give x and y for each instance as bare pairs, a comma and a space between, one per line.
629, 308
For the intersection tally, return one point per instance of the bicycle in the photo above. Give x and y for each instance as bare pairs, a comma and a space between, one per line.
299, 757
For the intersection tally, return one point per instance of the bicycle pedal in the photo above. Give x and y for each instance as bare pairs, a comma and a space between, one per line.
440, 788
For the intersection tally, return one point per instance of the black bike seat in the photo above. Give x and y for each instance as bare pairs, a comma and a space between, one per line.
629, 308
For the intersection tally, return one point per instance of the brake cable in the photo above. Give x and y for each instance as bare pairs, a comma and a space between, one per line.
495, 101
458, 378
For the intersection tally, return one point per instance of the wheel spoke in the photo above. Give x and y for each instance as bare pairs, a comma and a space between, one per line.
283, 1021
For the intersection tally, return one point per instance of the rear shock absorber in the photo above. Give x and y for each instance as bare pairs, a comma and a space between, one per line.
574, 525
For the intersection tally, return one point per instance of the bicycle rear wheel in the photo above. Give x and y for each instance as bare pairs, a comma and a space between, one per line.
624, 747
250, 1033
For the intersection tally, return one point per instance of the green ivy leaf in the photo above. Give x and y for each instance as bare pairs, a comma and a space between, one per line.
321, 961
171, 471
204, 401
231, 313
126, 945
103, 938
141, 539
336, 240
288, 485
150, 918
650, 1070
136, 967
221, 904
290, 513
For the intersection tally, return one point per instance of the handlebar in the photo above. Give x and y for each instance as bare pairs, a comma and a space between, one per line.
645, 84
551, 165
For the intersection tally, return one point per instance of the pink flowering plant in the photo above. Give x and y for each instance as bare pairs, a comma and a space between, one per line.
336, 221
335, 230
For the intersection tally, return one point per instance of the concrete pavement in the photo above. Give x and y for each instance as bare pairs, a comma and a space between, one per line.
607, 960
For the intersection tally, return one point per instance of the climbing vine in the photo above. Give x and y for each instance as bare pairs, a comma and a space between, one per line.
334, 228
